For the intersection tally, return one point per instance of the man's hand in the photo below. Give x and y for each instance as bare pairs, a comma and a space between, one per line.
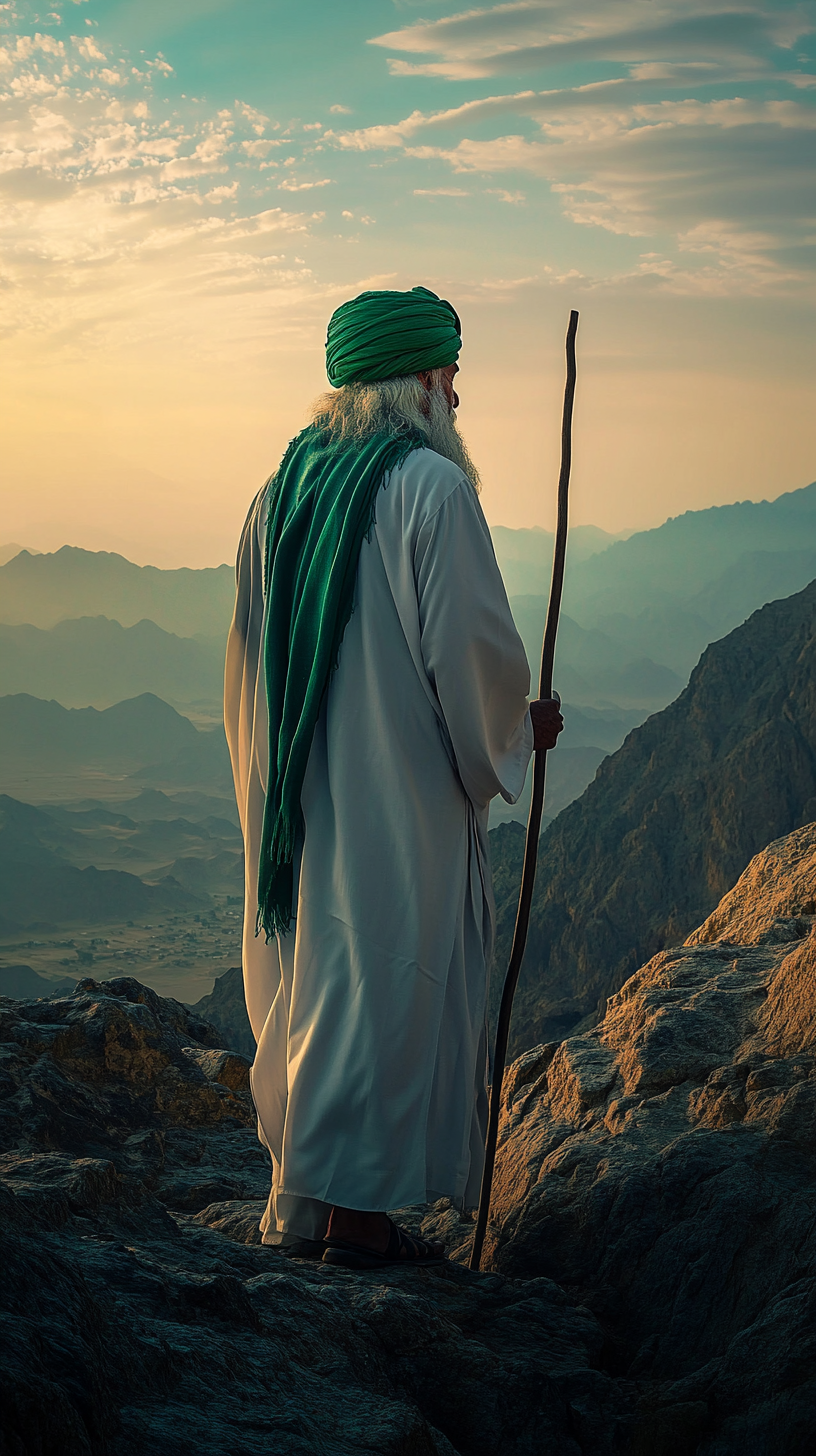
547, 722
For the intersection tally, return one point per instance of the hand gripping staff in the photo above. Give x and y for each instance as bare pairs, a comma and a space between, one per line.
536, 806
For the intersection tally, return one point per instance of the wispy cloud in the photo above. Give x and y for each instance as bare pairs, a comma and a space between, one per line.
649, 150
115, 209
535, 33
290, 185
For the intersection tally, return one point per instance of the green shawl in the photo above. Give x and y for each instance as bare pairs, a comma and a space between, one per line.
321, 508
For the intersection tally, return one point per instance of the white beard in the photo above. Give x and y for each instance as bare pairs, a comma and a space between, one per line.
355, 411
445, 437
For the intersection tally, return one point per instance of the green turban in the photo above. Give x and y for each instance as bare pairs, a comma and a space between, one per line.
381, 334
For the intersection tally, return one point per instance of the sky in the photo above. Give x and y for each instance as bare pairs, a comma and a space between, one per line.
188, 190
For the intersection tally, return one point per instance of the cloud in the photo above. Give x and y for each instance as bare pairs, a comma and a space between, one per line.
340, 110
87, 48
222, 194
440, 192
537, 33
648, 149
113, 211
258, 120
260, 147
290, 185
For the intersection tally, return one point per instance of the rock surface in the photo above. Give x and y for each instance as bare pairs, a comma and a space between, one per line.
648, 1288
669, 823
225, 1007
663, 1167
139, 1311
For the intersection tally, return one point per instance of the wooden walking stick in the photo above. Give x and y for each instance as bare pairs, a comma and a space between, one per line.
545, 690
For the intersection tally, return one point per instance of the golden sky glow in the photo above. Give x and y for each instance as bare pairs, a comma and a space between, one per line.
170, 255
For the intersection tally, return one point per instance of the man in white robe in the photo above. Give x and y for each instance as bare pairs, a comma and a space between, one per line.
369, 1014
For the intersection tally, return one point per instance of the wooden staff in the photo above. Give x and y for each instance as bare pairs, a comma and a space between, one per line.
545, 690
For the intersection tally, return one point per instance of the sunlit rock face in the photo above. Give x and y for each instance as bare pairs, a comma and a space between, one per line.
664, 1165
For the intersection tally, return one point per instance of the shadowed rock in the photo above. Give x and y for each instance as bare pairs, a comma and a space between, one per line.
140, 1311
669, 823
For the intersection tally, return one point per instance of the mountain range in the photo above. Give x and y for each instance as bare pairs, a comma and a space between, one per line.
93, 661
639, 608
43, 744
54, 586
40, 888
669, 822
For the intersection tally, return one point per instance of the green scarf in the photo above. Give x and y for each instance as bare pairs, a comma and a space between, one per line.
321, 507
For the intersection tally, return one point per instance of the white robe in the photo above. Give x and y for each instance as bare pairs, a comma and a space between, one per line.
369, 1076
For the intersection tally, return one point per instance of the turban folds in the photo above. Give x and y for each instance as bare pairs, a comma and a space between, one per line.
381, 334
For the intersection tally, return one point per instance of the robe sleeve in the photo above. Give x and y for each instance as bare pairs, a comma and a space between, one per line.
472, 653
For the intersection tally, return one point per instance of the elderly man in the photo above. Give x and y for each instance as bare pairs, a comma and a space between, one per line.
376, 701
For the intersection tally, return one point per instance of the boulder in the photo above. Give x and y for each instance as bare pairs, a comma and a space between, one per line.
663, 1167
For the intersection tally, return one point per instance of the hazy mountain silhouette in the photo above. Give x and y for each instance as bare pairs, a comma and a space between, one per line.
94, 661
685, 555
126, 736
525, 555
670, 821
638, 611
590, 666
39, 887
23, 983
69, 583
50, 752
11, 549
657, 598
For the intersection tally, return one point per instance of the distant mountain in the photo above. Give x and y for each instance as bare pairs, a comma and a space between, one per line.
525, 555
639, 608
685, 555
94, 661
12, 549
126, 737
591, 667
39, 888
670, 821
759, 574
23, 983
70, 583
202, 761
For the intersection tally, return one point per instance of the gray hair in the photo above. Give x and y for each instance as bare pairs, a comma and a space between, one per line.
357, 411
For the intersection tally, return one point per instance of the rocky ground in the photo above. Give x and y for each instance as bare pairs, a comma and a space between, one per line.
649, 1289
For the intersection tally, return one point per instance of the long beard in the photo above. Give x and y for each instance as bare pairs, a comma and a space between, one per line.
445, 437
356, 411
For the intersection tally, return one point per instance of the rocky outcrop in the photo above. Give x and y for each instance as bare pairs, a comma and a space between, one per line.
225, 1007
139, 1311
663, 1168
670, 821
648, 1287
